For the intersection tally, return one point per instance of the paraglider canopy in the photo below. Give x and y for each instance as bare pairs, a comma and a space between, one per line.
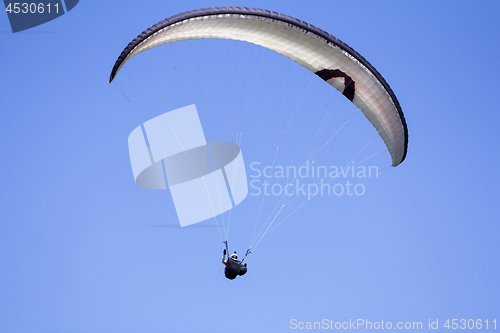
323, 54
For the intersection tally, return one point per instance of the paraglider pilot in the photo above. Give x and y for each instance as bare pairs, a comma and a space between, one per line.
234, 267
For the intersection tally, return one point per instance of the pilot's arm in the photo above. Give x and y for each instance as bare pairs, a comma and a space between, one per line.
224, 261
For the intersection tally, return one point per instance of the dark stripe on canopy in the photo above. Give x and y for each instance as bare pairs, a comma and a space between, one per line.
349, 84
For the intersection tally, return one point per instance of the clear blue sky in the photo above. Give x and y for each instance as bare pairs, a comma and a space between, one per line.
78, 252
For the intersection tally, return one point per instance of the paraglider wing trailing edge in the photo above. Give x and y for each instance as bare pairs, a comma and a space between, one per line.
323, 54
